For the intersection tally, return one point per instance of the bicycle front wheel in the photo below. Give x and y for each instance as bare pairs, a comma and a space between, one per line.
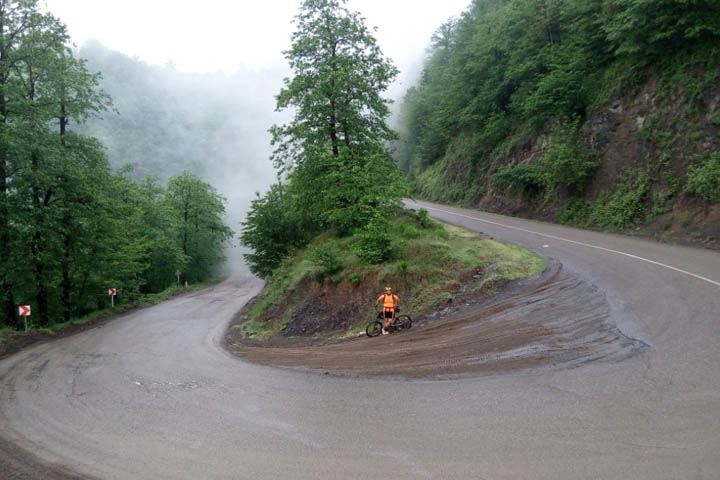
374, 329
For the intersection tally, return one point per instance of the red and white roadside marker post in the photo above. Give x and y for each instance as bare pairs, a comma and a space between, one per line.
24, 311
112, 292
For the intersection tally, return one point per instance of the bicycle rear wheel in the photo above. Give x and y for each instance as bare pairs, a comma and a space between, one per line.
402, 322
374, 329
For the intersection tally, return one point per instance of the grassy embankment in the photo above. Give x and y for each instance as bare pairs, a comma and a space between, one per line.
8, 335
327, 291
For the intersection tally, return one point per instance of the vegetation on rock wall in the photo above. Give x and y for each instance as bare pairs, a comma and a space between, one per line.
596, 113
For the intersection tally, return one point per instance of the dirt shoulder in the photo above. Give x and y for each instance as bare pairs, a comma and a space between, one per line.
554, 320
16, 463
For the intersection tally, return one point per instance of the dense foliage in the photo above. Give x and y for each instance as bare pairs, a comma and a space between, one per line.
336, 171
70, 228
509, 71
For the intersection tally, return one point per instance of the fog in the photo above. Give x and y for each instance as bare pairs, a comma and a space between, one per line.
194, 86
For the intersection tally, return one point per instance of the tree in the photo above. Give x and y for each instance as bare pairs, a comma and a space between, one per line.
274, 228
339, 74
69, 227
198, 209
333, 155
17, 20
651, 28
340, 116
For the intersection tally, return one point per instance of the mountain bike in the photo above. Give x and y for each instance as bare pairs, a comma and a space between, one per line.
400, 322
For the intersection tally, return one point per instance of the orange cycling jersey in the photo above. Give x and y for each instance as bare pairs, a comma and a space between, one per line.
388, 301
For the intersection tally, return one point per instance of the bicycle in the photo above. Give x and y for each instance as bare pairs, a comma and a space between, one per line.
400, 322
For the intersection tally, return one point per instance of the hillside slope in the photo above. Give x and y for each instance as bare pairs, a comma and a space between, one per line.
603, 115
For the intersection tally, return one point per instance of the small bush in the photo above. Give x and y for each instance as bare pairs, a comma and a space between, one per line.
704, 179
424, 219
402, 268
564, 166
375, 244
408, 231
518, 179
626, 205
576, 213
327, 258
354, 278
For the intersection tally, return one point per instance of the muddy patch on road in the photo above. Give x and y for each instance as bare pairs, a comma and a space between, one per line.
557, 320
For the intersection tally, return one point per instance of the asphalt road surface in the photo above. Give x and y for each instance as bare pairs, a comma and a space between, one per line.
154, 395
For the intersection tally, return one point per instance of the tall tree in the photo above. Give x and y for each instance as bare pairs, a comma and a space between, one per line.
17, 19
198, 211
339, 133
339, 74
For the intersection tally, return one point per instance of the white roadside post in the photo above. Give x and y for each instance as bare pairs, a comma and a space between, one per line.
112, 292
24, 311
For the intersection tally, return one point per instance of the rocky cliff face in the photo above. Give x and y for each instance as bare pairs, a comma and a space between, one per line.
646, 142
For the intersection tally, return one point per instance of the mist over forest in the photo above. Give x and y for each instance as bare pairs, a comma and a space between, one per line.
211, 124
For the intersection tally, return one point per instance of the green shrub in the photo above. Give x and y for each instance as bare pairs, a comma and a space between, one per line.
375, 244
327, 258
409, 231
424, 219
518, 179
576, 213
565, 165
626, 205
354, 278
402, 268
704, 179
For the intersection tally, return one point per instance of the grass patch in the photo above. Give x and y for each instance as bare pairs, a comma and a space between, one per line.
5, 333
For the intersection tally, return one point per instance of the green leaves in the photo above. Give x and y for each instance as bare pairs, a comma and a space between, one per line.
70, 228
704, 179
339, 72
565, 167
275, 226
197, 211
332, 156
650, 28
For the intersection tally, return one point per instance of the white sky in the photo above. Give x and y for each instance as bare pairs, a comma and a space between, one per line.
222, 35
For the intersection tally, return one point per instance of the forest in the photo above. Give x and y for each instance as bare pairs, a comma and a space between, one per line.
600, 113
71, 228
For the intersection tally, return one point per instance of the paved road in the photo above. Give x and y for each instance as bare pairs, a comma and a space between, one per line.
153, 395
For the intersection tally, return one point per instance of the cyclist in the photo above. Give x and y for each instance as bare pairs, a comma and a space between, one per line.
390, 301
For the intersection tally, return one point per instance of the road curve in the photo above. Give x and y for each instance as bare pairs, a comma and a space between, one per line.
153, 394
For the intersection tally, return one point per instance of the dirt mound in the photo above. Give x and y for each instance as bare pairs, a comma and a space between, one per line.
557, 320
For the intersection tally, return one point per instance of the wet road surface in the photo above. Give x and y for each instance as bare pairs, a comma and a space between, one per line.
154, 395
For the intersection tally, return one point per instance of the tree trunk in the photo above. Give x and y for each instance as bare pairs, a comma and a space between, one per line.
36, 248
67, 242
333, 129
7, 300
66, 282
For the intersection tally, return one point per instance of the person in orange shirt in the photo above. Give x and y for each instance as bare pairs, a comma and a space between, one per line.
390, 301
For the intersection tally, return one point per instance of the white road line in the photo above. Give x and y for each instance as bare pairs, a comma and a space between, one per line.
699, 277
